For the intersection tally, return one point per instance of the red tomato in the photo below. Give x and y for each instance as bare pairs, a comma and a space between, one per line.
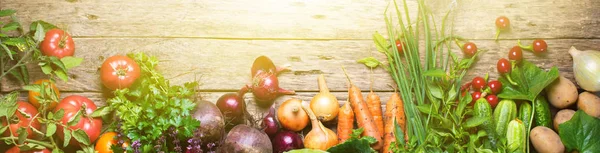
107, 140
474, 97
515, 53
478, 83
502, 22
399, 45
469, 49
493, 100
495, 86
16, 149
539, 46
57, 43
73, 104
503, 66
24, 120
118, 72
33, 94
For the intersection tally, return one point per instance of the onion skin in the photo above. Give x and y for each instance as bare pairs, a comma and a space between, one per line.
586, 66
324, 104
319, 136
291, 116
269, 123
286, 141
265, 85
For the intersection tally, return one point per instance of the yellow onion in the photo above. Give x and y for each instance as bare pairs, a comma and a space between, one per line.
586, 66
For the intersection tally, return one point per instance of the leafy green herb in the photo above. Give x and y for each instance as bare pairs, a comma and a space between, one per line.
581, 133
306, 151
151, 105
531, 79
355, 143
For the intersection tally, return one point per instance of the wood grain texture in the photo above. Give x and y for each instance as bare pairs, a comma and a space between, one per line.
296, 19
224, 65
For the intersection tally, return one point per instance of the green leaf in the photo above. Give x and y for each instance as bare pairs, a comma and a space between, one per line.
7, 12
380, 42
437, 73
24, 74
581, 133
102, 111
39, 33
474, 121
22, 132
71, 62
398, 133
435, 90
425, 108
32, 87
47, 69
531, 79
3, 128
81, 136
57, 62
370, 62
306, 151
8, 51
62, 75
356, 133
50, 130
75, 119
8, 104
10, 26
45, 25
362, 145
67, 136
59, 114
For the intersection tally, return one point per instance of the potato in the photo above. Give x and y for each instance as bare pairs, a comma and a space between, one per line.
589, 103
562, 93
545, 140
563, 116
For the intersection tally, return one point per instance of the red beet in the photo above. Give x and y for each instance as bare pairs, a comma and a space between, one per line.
265, 85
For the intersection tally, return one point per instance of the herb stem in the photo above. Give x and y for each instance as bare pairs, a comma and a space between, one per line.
42, 143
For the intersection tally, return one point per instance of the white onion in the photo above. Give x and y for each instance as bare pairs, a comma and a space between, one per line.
586, 66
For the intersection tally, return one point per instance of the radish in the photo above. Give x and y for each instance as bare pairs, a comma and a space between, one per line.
265, 85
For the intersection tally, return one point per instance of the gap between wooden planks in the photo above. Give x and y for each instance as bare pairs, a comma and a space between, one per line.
224, 65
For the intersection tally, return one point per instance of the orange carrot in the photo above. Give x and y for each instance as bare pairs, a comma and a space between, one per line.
374, 104
362, 113
345, 122
394, 109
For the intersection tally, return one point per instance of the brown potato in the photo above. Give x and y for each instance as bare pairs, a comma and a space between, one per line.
563, 116
562, 93
545, 140
589, 103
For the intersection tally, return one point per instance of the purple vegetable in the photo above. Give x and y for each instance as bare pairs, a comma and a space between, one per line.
286, 140
269, 123
212, 127
265, 85
233, 107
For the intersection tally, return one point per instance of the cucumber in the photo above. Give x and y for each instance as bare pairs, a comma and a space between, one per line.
483, 109
525, 112
503, 114
542, 116
515, 136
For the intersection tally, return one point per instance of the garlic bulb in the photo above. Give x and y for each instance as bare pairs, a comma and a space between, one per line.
586, 66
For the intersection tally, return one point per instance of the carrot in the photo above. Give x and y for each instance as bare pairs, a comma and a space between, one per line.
345, 122
374, 104
363, 115
394, 110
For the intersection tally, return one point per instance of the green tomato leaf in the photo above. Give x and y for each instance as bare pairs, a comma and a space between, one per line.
8, 104
3, 128
32, 87
102, 111
39, 33
581, 133
75, 119
71, 62
67, 136
8, 51
10, 26
531, 81
45, 25
81, 136
47, 69
62, 75
370, 62
59, 114
50, 130
380, 42
306, 151
4, 13
22, 132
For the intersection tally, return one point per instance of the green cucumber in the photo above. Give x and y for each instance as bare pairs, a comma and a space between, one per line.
483, 109
515, 136
503, 114
542, 116
525, 112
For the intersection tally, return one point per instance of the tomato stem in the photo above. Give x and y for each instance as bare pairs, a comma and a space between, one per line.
458, 44
528, 48
42, 143
497, 34
510, 79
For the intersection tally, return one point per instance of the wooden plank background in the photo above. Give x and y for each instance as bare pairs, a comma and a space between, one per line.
216, 42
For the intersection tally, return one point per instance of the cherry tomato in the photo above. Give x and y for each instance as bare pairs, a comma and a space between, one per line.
57, 43
474, 96
539, 46
71, 106
118, 72
515, 53
16, 149
495, 86
469, 49
502, 22
33, 94
106, 141
492, 100
399, 45
503, 66
478, 83
25, 114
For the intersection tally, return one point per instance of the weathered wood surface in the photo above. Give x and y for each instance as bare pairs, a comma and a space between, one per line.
224, 65
295, 19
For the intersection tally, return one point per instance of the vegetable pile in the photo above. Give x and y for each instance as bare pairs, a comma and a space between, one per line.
433, 107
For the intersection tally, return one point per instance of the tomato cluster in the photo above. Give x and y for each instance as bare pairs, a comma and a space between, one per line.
484, 89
